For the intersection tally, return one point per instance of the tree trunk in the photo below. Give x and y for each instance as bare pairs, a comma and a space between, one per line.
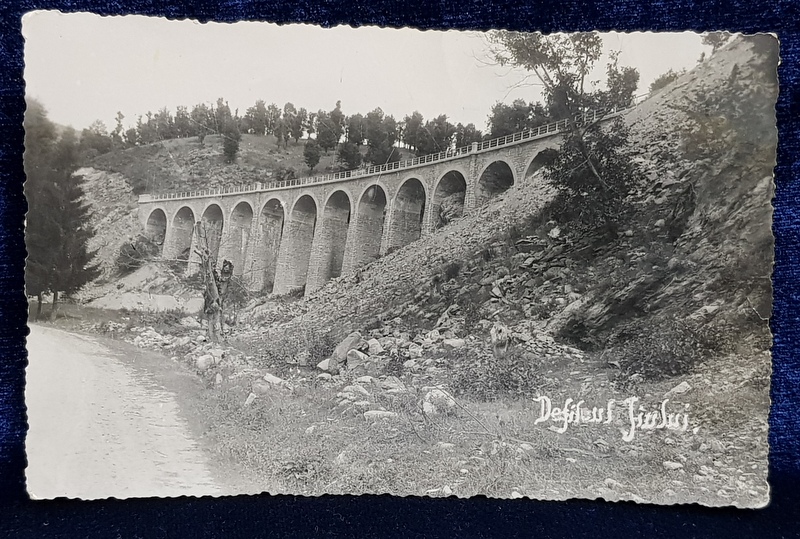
39, 306
54, 309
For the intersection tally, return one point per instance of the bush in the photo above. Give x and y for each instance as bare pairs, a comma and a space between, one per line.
674, 349
133, 255
487, 377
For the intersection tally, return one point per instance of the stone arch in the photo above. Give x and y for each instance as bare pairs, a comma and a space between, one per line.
212, 223
181, 235
448, 198
156, 227
237, 238
270, 232
300, 237
496, 178
407, 213
539, 160
332, 237
367, 232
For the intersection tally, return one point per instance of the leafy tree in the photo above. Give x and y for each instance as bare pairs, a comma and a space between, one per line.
412, 129
202, 120
338, 121
664, 79
716, 40
165, 124
147, 133
297, 123
381, 134
95, 141
310, 124
183, 122
118, 132
255, 118
349, 155
622, 84
222, 115
466, 135
436, 136
591, 170
518, 116
326, 131
230, 140
312, 154
273, 117
356, 131
131, 136
57, 224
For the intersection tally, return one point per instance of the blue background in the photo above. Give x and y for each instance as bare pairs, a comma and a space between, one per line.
381, 516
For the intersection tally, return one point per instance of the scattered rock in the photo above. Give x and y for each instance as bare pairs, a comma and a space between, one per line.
375, 347
203, 363
356, 359
190, 322
324, 376
670, 465
447, 491
453, 343
250, 398
679, 389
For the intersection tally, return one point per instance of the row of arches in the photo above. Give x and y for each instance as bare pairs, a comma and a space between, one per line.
306, 245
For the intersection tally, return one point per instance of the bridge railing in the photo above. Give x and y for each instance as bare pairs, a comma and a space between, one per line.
527, 134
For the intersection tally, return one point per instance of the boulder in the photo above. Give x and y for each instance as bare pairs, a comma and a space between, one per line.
450, 344
325, 365
679, 389
203, 363
190, 322
350, 342
274, 380
375, 347
415, 350
356, 359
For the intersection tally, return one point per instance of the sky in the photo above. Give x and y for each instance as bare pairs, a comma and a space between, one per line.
84, 67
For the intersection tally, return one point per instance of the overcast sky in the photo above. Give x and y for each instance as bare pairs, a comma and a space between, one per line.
84, 67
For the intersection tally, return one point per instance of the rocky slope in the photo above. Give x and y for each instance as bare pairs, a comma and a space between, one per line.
694, 260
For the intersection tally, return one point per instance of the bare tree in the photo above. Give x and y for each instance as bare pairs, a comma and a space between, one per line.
216, 285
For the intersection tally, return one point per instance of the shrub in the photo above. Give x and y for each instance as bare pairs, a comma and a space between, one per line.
134, 254
487, 377
452, 270
674, 349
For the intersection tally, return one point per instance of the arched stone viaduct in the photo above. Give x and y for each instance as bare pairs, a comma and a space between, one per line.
285, 235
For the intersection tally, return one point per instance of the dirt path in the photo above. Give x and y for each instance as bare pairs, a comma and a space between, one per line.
100, 428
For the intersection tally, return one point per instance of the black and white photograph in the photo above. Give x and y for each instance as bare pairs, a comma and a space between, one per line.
291, 259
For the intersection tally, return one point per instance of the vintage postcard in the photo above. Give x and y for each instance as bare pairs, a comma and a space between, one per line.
290, 259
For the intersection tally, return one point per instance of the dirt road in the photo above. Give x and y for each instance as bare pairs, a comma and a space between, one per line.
100, 428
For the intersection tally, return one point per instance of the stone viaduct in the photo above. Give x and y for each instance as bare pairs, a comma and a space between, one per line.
286, 235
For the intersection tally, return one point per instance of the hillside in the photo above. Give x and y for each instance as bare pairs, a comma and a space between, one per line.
186, 164
671, 304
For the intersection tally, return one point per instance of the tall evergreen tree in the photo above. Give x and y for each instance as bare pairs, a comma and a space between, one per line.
57, 228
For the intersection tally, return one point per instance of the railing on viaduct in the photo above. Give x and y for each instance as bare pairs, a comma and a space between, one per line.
543, 131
